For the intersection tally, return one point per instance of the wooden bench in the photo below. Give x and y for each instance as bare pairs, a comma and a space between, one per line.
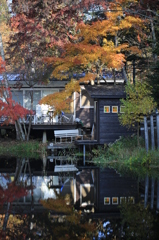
65, 134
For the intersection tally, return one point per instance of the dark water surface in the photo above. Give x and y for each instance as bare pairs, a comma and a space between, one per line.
125, 205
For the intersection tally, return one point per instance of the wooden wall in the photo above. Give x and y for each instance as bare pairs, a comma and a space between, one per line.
85, 114
109, 128
111, 184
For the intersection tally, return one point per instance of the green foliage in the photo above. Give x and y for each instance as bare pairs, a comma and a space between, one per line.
137, 221
137, 104
31, 149
125, 156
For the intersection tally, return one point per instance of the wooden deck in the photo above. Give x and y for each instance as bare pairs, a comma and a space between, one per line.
43, 126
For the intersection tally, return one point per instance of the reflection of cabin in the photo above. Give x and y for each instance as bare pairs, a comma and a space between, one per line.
101, 189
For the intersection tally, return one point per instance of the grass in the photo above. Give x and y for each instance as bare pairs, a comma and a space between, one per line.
127, 157
31, 149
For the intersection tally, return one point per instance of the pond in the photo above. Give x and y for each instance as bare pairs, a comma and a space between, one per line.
36, 196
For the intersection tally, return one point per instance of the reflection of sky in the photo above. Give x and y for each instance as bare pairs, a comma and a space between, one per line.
41, 191
3, 181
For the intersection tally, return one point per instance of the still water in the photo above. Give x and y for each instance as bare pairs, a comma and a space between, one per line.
121, 204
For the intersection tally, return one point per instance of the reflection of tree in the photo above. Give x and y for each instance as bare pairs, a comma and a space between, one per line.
67, 223
16, 189
59, 221
137, 221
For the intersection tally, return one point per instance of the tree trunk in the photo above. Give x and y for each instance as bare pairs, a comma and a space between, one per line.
19, 130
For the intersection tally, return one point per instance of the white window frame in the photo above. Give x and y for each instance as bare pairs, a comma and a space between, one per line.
108, 107
120, 109
115, 107
123, 199
132, 198
83, 88
117, 201
35, 89
107, 203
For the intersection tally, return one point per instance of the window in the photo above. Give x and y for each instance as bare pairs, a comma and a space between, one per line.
122, 200
114, 109
122, 109
131, 199
18, 97
106, 109
85, 100
114, 200
107, 201
36, 98
47, 92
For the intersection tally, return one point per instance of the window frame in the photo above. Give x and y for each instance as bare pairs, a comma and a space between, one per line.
124, 199
114, 107
120, 109
108, 107
105, 202
133, 199
116, 202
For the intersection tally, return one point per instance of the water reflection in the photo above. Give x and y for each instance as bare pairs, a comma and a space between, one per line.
121, 204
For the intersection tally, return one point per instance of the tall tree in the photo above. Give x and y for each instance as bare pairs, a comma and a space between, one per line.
94, 49
137, 104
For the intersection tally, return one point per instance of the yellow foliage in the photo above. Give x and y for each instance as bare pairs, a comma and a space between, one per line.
94, 49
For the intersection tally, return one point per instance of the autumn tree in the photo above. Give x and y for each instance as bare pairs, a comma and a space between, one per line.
137, 104
93, 50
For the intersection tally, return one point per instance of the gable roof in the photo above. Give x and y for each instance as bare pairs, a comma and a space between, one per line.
106, 91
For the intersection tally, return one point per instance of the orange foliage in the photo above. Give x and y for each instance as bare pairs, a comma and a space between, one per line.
74, 226
61, 100
95, 50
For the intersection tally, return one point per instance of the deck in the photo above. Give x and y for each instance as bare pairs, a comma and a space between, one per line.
46, 123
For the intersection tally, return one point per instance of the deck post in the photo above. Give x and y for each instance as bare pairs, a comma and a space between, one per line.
84, 151
44, 137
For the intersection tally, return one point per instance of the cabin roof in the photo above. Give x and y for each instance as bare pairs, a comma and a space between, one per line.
106, 91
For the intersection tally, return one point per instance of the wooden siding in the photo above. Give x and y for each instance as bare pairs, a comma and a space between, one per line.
109, 127
85, 114
111, 184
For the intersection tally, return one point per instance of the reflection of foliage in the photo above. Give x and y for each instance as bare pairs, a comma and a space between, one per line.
72, 154
12, 192
137, 221
31, 149
71, 224
125, 156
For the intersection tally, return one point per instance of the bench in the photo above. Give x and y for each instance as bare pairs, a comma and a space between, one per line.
72, 133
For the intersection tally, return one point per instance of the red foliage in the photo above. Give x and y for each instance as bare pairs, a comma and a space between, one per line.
2, 65
12, 192
11, 110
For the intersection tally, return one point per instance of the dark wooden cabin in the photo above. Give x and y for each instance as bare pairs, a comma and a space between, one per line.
106, 126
